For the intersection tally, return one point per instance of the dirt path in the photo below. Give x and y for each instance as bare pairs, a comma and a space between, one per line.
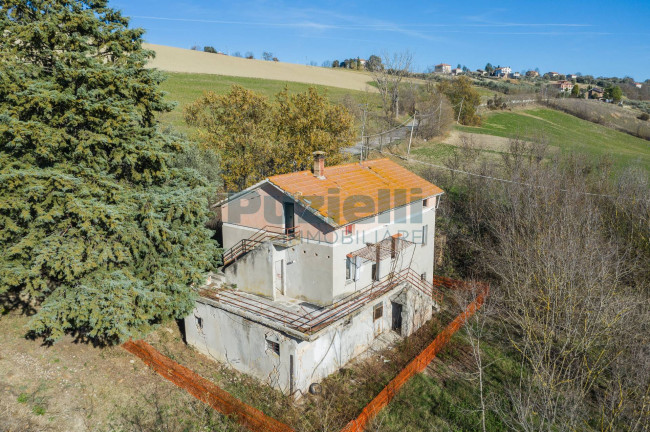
485, 142
183, 60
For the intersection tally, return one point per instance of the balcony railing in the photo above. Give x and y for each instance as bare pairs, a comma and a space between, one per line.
277, 235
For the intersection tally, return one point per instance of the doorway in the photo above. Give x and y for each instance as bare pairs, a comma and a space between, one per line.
278, 280
396, 317
289, 218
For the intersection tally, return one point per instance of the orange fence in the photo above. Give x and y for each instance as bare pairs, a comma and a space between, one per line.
204, 390
418, 364
255, 420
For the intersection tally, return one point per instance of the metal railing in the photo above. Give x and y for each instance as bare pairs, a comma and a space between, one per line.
312, 322
269, 232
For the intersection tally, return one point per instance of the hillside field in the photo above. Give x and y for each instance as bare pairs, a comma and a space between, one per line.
566, 132
173, 59
185, 88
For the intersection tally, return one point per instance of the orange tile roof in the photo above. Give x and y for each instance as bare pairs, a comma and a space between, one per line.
362, 189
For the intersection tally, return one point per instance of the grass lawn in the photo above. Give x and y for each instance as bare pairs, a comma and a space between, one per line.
185, 88
445, 396
568, 133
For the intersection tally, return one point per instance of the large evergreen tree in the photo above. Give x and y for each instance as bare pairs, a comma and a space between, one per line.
98, 233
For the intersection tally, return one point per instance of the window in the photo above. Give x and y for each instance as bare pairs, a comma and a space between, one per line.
349, 229
426, 202
199, 322
378, 312
425, 233
273, 346
375, 275
423, 276
352, 268
349, 272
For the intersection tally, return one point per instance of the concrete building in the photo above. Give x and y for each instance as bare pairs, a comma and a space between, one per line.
457, 71
564, 86
502, 71
442, 68
532, 74
318, 267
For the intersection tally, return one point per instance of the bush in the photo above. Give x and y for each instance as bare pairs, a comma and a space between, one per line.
644, 116
209, 49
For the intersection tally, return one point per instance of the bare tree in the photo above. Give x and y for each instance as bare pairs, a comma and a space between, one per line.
388, 79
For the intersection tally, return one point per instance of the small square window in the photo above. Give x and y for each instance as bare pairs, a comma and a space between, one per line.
199, 322
378, 312
423, 276
273, 346
349, 229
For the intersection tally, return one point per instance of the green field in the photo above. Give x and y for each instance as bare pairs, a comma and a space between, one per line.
185, 88
568, 133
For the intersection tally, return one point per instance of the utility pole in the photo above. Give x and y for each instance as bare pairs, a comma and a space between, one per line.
460, 110
408, 153
363, 132
439, 114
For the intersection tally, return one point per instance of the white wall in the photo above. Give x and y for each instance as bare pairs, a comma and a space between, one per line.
241, 343
315, 271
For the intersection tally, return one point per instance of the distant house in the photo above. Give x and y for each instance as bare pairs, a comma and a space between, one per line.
362, 62
481, 72
502, 72
532, 74
456, 71
552, 74
571, 76
564, 86
515, 75
596, 93
442, 68
638, 85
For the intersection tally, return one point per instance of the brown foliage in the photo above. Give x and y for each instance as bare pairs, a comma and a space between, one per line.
257, 138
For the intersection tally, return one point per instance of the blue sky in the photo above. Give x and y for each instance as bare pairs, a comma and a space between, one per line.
592, 37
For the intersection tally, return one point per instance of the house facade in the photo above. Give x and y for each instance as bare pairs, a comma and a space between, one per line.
564, 86
532, 74
319, 266
502, 72
442, 68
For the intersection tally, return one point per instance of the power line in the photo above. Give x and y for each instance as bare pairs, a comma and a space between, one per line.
487, 177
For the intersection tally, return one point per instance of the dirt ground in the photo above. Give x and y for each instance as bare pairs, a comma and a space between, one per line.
172, 59
76, 387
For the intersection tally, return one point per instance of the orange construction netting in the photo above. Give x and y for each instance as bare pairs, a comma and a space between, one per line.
255, 420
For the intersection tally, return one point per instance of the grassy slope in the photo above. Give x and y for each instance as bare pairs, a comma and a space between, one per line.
445, 397
568, 133
185, 88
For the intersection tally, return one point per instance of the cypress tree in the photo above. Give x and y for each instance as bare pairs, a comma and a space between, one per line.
99, 233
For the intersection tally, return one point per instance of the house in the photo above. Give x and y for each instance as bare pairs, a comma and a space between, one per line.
442, 68
515, 75
532, 74
572, 77
564, 86
552, 74
481, 72
596, 93
457, 71
362, 62
319, 266
502, 72
638, 85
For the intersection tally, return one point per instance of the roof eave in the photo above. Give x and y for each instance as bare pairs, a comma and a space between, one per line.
238, 194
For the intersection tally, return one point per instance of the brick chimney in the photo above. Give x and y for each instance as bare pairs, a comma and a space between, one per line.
319, 164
